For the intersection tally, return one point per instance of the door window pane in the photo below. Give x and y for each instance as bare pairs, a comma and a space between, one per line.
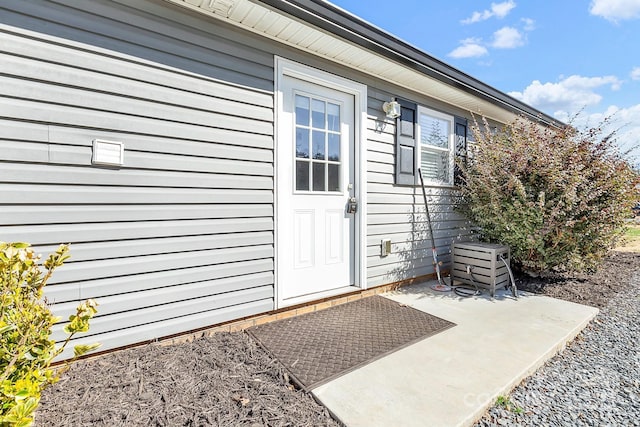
302, 176
302, 110
333, 177
318, 176
318, 114
333, 117
334, 147
302, 143
318, 145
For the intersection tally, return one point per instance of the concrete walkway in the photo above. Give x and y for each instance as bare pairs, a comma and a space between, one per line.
450, 379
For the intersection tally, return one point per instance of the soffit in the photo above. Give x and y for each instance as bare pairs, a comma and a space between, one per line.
276, 25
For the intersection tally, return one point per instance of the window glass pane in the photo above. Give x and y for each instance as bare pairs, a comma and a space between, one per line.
434, 131
302, 143
302, 176
435, 165
333, 117
334, 177
334, 147
302, 110
318, 114
318, 176
318, 145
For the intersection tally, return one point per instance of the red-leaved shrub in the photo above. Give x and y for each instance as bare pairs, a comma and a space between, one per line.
559, 197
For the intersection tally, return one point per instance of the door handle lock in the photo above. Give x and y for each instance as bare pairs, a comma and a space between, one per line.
352, 205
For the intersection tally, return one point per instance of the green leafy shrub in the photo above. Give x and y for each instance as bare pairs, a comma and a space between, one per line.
26, 349
557, 196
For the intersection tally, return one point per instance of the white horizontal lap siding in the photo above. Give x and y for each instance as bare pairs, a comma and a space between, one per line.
181, 236
397, 212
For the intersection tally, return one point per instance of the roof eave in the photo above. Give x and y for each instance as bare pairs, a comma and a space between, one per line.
345, 25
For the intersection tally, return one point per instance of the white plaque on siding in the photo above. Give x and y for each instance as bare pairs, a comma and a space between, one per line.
110, 153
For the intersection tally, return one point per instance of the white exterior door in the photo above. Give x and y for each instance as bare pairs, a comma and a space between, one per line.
316, 184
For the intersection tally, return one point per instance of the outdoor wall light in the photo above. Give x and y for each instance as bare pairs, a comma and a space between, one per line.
391, 109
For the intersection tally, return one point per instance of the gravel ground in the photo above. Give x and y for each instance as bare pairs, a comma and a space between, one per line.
595, 381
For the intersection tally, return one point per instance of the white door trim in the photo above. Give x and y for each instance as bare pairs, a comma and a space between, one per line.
284, 67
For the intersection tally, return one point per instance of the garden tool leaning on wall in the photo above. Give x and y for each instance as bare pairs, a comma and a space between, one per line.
441, 286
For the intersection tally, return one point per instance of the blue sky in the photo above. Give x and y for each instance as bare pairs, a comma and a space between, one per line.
558, 56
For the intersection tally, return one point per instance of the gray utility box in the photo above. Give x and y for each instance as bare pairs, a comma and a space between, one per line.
483, 261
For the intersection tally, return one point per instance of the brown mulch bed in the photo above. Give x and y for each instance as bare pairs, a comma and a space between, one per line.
594, 289
228, 380
223, 380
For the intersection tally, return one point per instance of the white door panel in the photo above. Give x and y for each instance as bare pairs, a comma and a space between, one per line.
315, 180
304, 239
335, 236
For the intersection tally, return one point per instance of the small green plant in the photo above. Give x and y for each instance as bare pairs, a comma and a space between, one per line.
559, 197
26, 321
506, 403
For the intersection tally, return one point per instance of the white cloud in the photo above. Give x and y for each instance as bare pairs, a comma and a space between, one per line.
499, 10
624, 121
614, 10
504, 38
469, 48
574, 94
635, 73
507, 38
570, 94
502, 9
529, 24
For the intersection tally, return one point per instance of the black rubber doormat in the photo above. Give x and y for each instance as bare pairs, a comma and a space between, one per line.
320, 346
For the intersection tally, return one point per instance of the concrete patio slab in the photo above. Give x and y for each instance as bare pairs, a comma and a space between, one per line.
450, 379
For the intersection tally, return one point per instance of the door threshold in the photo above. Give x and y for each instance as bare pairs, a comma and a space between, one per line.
287, 302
